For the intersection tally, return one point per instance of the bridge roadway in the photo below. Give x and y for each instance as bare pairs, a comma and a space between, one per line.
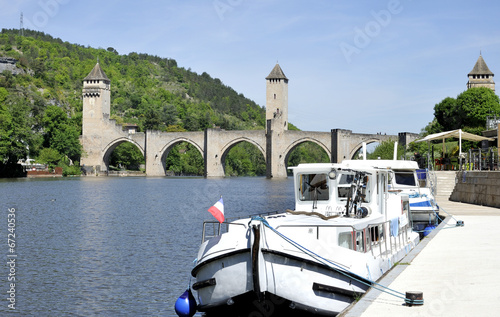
456, 269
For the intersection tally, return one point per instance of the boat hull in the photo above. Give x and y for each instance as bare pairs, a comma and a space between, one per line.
248, 304
221, 279
294, 287
311, 287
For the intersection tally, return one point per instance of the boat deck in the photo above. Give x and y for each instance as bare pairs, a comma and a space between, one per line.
456, 269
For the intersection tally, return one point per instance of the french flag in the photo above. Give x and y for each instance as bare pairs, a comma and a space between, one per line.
217, 210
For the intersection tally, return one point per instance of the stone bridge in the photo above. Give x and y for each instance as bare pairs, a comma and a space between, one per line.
214, 144
100, 135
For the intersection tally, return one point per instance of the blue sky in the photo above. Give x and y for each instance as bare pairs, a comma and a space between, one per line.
367, 66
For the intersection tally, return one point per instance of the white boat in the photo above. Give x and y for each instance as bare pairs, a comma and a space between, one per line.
348, 229
417, 183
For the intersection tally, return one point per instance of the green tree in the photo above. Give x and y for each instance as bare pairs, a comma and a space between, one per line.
152, 119
5, 132
192, 161
468, 111
475, 104
60, 134
17, 138
307, 152
184, 159
385, 151
173, 161
244, 159
49, 156
127, 155
446, 114
3, 94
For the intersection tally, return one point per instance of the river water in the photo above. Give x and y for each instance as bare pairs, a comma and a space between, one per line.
113, 246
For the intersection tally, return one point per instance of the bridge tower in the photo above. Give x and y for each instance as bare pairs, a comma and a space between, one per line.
277, 121
481, 75
277, 99
96, 108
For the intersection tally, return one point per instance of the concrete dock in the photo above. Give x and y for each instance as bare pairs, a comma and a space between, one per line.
456, 268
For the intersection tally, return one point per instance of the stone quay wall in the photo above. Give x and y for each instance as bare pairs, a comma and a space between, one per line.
478, 187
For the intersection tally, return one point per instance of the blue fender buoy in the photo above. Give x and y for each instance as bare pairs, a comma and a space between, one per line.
185, 305
428, 230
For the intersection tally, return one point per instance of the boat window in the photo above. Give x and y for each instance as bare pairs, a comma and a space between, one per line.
314, 187
405, 178
345, 240
359, 241
346, 179
422, 177
366, 233
374, 234
344, 185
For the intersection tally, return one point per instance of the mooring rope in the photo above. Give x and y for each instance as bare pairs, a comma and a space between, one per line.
458, 223
293, 212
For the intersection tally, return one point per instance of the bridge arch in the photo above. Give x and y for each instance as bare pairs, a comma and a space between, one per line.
168, 147
300, 141
358, 146
108, 149
228, 146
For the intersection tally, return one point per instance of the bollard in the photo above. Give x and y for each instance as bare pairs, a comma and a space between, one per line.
414, 298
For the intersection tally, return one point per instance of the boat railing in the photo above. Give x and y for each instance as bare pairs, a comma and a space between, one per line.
378, 234
315, 226
213, 229
431, 181
368, 239
427, 179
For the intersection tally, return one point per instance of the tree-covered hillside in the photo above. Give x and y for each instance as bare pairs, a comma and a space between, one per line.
142, 85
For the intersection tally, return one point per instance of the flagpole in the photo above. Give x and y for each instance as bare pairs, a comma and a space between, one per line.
460, 147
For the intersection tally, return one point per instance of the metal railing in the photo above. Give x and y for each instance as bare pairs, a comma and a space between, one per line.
212, 229
374, 235
217, 228
474, 159
479, 160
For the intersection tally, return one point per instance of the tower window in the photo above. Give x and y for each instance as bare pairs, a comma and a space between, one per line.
274, 96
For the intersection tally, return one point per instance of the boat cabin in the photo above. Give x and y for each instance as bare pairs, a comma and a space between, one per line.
328, 189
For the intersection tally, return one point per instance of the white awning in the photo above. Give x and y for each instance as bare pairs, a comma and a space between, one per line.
459, 134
